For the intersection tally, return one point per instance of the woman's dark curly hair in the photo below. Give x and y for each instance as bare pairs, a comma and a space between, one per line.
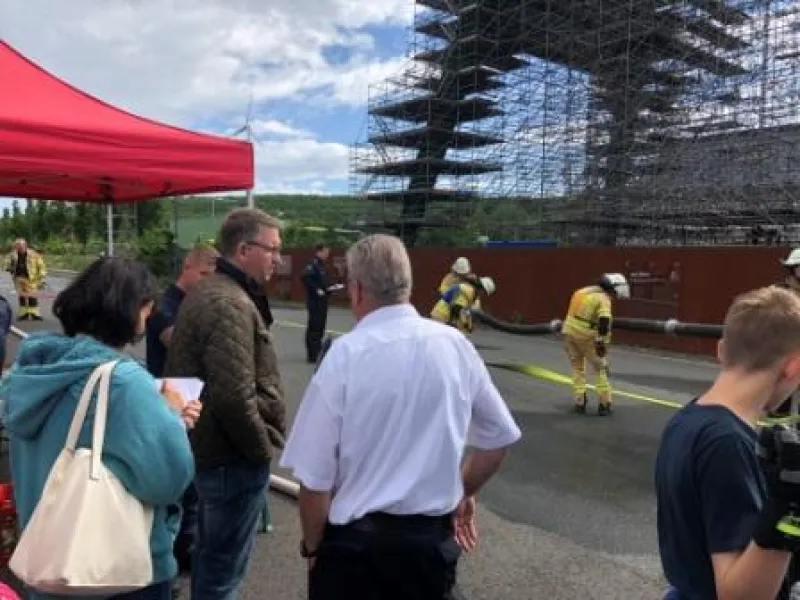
105, 301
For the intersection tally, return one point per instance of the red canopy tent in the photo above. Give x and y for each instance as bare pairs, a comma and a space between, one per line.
59, 143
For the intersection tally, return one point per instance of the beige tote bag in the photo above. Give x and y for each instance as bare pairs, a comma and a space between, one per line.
87, 534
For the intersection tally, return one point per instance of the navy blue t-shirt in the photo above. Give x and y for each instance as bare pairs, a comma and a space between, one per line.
163, 317
709, 493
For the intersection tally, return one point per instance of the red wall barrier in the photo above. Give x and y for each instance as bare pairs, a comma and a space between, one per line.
534, 285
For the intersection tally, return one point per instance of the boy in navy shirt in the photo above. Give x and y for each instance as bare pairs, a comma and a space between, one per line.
718, 508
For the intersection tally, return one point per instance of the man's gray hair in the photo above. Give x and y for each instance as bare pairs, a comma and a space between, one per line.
243, 225
381, 265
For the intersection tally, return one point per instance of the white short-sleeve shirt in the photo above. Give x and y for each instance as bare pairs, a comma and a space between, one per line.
385, 421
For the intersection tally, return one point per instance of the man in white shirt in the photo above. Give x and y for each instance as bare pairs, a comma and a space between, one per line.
379, 439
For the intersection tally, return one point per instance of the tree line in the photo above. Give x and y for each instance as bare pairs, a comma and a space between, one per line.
72, 234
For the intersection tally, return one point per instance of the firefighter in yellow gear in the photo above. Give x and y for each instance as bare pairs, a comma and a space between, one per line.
455, 305
791, 282
587, 333
458, 273
791, 265
28, 271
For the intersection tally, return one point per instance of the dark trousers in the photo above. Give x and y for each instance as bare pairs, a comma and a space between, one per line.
384, 557
230, 502
315, 329
187, 535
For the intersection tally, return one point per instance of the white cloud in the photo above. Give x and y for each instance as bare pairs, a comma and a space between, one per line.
270, 127
197, 62
286, 164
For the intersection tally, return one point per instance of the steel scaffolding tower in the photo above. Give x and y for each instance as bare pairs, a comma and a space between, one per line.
603, 121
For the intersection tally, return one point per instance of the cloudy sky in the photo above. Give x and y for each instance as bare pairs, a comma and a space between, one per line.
195, 63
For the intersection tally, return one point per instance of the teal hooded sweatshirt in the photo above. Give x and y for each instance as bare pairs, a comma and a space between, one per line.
145, 446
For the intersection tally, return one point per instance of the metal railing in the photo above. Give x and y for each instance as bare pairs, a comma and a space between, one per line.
279, 484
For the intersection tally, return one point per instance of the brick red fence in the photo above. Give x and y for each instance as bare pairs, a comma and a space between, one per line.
534, 285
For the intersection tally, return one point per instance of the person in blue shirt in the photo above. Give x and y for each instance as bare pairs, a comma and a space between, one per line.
6, 316
200, 262
146, 445
718, 507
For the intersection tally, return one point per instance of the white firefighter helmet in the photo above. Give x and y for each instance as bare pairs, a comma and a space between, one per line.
461, 266
487, 283
616, 284
793, 260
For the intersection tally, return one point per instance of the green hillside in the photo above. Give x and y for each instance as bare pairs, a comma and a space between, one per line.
306, 217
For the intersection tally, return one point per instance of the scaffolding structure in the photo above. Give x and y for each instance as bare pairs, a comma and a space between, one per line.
599, 121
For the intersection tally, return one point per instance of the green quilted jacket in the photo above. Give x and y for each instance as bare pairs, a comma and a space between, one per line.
220, 337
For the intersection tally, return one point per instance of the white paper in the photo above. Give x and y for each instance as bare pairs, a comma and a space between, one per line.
188, 387
336, 287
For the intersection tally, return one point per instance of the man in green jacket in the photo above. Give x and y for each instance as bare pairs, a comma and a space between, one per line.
221, 336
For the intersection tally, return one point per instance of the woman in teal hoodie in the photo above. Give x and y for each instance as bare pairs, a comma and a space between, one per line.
146, 445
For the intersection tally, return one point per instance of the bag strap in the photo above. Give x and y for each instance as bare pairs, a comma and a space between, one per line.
101, 375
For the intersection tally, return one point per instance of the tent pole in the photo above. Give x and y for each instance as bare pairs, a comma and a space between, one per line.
250, 202
110, 229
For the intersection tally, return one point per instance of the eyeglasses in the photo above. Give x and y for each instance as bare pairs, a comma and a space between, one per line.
276, 250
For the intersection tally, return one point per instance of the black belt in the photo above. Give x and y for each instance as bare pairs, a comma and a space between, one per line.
587, 321
380, 521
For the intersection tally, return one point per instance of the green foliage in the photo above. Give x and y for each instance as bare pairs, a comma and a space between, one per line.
157, 250
75, 234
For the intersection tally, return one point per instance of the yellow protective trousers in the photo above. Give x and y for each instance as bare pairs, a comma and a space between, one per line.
580, 350
27, 292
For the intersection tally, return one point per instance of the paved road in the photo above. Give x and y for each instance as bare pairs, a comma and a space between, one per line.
572, 514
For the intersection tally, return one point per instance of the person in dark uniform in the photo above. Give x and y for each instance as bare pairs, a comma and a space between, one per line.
318, 288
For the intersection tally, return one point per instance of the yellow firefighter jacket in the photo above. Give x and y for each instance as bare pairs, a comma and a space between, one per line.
586, 307
449, 280
454, 306
36, 268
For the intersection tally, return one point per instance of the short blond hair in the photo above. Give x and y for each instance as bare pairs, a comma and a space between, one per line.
201, 254
762, 327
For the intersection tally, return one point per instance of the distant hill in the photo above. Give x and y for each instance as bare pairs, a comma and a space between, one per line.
197, 217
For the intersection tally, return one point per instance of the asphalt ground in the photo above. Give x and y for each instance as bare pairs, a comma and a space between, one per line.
572, 513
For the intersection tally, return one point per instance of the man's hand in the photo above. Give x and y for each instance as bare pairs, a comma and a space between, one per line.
174, 398
320, 292
465, 530
600, 348
191, 412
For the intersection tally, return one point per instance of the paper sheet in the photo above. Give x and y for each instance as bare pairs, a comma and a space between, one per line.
189, 387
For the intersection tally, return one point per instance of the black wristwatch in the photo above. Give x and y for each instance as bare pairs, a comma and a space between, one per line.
305, 552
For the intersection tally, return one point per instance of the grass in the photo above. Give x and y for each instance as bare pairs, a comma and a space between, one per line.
191, 228
72, 262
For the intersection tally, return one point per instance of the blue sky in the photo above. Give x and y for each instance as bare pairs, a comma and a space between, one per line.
306, 64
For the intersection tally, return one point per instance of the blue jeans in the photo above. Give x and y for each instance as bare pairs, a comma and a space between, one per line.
230, 500
157, 591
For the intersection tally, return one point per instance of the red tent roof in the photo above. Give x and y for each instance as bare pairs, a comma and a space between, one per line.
59, 143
